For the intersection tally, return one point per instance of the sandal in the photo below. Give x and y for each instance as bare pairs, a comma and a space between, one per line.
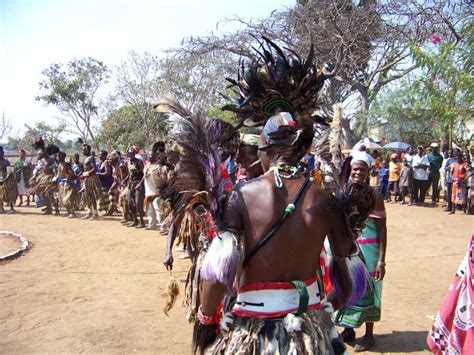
364, 345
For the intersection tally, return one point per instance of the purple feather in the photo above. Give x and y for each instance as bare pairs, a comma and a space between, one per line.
358, 276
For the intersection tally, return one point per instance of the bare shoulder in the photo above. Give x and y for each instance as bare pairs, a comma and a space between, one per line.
379, 202
253, 185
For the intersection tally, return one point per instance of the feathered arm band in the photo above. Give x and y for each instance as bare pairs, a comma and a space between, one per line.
223, 259
354, 268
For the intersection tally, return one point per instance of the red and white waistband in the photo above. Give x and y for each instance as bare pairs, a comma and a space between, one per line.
274, 299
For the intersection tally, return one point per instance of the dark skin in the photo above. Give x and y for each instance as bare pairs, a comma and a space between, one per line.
247, 158
105, 163
140, 167
4, 163
293, 253
359, 174
89, 168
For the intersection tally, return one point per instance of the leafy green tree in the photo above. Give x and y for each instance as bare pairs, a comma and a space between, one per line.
447, 83
50, 134
73, 89
401, 115
124, 126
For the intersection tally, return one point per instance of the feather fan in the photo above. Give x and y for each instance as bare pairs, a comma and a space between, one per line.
203, 142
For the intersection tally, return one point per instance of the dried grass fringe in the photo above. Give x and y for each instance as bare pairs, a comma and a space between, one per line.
309, 333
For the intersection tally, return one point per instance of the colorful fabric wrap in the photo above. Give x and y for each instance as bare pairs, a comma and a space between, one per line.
274, 123
453, 328
369, 307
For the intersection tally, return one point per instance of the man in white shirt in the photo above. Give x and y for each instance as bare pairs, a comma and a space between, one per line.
420, 181
409, 156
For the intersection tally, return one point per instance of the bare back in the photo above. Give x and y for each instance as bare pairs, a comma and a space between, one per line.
293, 252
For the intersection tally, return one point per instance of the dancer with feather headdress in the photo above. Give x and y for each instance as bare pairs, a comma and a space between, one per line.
267, 250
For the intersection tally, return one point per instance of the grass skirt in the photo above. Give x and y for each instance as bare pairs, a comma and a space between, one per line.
92, 190
70, 197
9, 190
45, 185
309, 333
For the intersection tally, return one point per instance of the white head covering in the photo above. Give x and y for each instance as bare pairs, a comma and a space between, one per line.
362, 156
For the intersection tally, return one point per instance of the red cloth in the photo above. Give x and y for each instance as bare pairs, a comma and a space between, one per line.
324, 264
453, 329
226, 181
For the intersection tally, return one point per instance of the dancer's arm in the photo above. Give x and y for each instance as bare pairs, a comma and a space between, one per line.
212, 291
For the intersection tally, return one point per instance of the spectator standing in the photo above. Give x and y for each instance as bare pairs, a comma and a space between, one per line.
374, 172
420, 181
436, 161
469, 178
406, 182
449, 180
394, 168
383, 173
409, 155
458, 170
318, 174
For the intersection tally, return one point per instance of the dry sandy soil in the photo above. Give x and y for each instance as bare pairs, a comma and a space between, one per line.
95, 286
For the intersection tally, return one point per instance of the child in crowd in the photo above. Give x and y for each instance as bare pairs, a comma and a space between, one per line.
394, 168
383, 174
406, 182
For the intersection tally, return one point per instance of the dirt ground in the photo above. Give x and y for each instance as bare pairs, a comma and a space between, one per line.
95, 286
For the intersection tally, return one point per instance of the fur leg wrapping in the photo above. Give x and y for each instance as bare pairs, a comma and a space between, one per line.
222, 260
358, 276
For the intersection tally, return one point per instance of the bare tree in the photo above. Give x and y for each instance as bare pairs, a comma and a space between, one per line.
5, 126
369, 42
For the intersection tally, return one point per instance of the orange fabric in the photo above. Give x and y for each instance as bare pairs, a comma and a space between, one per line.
317, 176
394, 171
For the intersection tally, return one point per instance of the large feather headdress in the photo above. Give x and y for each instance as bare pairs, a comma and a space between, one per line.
276, 79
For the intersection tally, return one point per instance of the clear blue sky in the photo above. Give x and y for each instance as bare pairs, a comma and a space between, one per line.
36, 33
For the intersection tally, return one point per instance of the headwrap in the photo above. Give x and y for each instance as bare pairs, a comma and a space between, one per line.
362, 156
273, 124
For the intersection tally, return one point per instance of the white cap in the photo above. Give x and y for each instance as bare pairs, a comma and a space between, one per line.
361, 156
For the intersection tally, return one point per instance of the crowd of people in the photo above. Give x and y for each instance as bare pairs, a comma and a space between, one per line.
277, 241
407, 177
113, 183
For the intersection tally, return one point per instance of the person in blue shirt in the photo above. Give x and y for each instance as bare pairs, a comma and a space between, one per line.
383, 173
